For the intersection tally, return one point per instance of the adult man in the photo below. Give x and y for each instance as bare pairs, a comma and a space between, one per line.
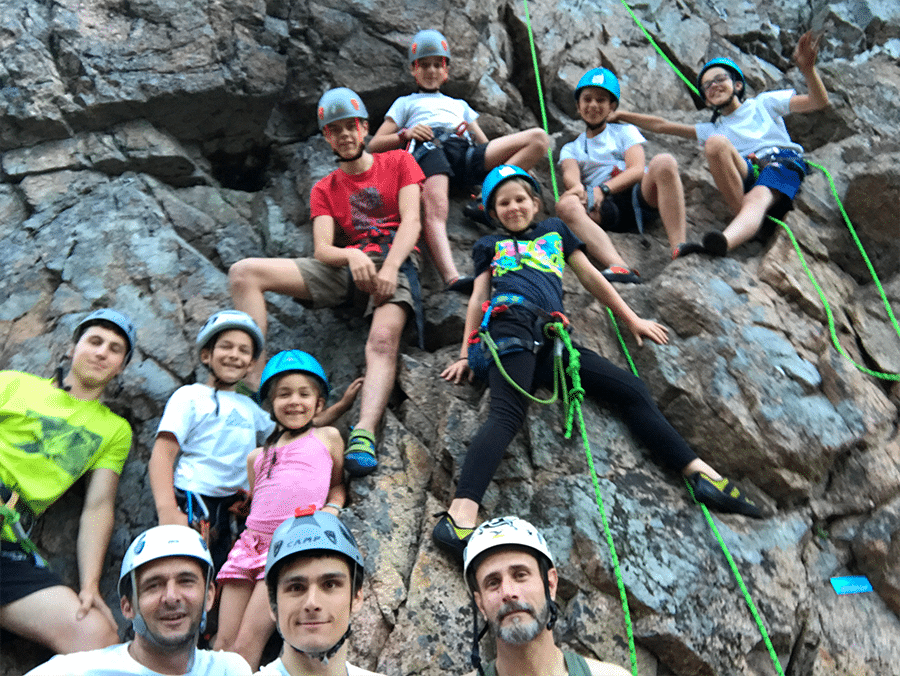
314, 576
510, 572
166, 589
365, 227
53, 431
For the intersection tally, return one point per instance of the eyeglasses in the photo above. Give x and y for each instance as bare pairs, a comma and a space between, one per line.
717, 80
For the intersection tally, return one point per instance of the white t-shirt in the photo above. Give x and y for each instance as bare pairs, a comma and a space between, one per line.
214, 447
755, 126
600, 156
117, 661
276, 668
434, 109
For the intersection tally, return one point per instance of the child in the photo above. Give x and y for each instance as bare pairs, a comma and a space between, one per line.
365, 227
298, 466
210, 429
608, 185
755, 164
526, 264
443, 135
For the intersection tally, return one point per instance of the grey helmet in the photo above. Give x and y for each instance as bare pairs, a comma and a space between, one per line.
227, 320
428, 43
340, 103
119, 319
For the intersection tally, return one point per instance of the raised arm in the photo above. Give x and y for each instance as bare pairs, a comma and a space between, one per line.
653, 123
805, 56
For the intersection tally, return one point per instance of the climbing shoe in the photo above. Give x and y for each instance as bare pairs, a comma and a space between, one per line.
359, 458
623, 275
715, 244
722, 495
474, 211
686, 249
462, 285
449, 537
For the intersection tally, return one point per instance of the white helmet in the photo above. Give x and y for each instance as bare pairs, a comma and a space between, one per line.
161, 542
504, 531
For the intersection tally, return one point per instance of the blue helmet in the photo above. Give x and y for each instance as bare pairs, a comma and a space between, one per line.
340, 103
599, 77
497, 176
227, 320
292, 361
311, 531
122, 321
428, 43
727, 64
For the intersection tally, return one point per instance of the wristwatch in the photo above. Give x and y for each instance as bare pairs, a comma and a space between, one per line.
605, 190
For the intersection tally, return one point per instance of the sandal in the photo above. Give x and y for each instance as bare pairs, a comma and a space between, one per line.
359, 458
623, 275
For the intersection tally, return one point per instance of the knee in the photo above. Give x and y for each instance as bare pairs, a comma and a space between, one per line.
568, 207
537, 138
717, 147
665, 166
240, 276
383, 341
93, 632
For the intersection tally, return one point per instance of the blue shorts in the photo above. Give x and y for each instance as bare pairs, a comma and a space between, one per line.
783, 173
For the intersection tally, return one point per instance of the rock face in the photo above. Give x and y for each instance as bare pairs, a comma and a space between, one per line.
148, 145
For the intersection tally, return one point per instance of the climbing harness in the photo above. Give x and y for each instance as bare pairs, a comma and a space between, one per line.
198, 520
13, 510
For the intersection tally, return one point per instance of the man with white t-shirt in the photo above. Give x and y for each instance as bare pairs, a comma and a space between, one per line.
609, 186
166, 590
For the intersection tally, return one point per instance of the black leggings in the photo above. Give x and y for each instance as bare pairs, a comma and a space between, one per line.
600, 378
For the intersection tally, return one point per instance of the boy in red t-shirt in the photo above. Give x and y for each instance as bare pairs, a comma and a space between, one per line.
365, 228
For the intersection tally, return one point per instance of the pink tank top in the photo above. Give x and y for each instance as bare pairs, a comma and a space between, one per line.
301, 476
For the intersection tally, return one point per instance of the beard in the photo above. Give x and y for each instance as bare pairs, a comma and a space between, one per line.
522, 630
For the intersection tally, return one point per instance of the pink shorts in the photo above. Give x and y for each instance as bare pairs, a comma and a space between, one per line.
247, 559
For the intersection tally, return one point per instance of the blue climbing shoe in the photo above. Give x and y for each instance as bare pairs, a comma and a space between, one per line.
359, 458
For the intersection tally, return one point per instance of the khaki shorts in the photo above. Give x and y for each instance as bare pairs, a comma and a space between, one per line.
330, 286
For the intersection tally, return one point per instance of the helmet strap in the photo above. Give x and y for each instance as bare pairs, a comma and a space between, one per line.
476, 639
325, 655
596, 127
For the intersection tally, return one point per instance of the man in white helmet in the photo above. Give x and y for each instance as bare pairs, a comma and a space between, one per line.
166, 590
510, 571
314, 575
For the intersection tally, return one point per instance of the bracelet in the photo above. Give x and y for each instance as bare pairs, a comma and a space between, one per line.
462, 359
334, 506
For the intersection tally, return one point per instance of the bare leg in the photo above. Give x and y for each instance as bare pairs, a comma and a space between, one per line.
464, 512
381, 363
746, 224
728, 169
699, 465
249, 279
48, 617
232, 610
523, 149
662, 188
256, 627
599, 245
435, 204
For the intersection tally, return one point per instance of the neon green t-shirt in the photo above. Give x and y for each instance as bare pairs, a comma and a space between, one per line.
49, 439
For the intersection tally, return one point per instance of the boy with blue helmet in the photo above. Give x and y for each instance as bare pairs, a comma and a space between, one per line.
365, 228
756, 166
443, 135
610, 187
198, 466
54, 431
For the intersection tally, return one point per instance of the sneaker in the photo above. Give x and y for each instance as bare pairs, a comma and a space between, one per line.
474, 211
715, 244
722, 495
462, 285
446, 535
359, 458
623, 275
686, 249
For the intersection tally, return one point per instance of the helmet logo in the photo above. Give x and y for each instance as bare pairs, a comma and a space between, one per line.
331, 536
321, 112
139, 545
355, 104
506, 170
598, 78
277, 548
414, 48
444, 45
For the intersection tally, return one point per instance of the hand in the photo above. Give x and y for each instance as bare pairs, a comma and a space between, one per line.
613, 116
384, 285
90, 598
362, 269
579, 192
458, 371
172, 515
421, 132
807, 51
658, 333
351, 393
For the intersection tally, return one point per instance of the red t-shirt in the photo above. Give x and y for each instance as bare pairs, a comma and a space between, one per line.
365, 206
